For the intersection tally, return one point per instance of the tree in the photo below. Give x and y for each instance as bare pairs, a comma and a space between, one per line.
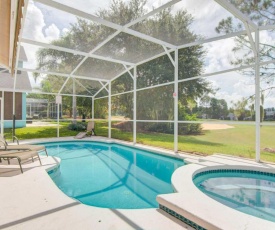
239, 109
261, 13
152, 104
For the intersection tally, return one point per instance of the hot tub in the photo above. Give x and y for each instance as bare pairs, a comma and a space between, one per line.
248, 191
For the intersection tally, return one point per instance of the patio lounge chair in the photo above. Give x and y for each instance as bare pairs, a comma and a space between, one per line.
19, 155
90, 131
19, 147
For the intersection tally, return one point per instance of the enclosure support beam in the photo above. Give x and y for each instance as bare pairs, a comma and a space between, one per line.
129, 72
63, 85
169, 55
135, 107
93, 108
176, 99
61, 74
103, 87
14, 71
13, 103
101, 21
109, 112
58, 105
218, 38
236, 12
252, 43
257, 97
74, 102
2, 114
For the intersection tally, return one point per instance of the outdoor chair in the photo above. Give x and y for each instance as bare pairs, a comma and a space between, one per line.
90, 131
19, 155
19, 147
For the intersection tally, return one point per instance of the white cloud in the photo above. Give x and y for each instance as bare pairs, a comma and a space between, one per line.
33, 29
37, 29
206, 15
65, 31
34, 23
218, 55
52, 32
233, 87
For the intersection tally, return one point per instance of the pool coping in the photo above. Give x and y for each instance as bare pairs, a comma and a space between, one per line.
32, 199
59, 211
191, 203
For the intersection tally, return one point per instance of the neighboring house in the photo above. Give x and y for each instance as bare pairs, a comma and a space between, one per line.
204, 116
41, 108
6, 93
232, 117
270, 113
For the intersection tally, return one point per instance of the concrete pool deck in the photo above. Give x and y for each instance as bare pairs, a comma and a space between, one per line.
193, 204
32, 201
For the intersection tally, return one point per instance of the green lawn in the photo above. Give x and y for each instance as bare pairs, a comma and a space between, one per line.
238, 141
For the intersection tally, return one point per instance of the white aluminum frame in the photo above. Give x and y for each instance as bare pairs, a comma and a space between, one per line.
250, 27
2, 114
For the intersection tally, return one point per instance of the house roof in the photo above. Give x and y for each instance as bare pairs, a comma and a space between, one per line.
22, 82
22, 54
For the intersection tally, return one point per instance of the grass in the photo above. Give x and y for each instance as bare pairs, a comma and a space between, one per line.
237, 141
41, 132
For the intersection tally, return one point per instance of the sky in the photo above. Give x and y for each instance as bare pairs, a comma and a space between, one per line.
46, 24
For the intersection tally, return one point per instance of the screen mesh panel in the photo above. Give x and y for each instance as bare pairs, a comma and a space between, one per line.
160, 131
267, 86
155, 72
267, 45
99, 69
222, 136
229, 96
101, 108
122, 130
186, 21
102, 93
122, 84
267, 143
156, 103
129, 48
122, 107
215, 56
110, 10
260, 12
49, 60
46, 83
49, 25
81, 87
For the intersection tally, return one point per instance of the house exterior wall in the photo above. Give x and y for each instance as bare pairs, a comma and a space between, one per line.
20, 109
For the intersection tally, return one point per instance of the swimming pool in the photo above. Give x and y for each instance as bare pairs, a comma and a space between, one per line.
111, 175
251, 192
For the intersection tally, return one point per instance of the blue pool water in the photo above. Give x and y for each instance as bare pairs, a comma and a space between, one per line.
111, 175
250, 192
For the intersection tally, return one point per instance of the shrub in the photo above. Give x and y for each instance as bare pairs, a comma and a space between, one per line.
77, 126
160, 128
189, 129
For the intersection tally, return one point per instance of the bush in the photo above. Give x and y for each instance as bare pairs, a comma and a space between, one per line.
77, 126
160, 128
184, 129
189, 129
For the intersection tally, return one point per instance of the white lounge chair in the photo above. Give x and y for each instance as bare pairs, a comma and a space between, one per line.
4, 146
90, 129
19, 155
